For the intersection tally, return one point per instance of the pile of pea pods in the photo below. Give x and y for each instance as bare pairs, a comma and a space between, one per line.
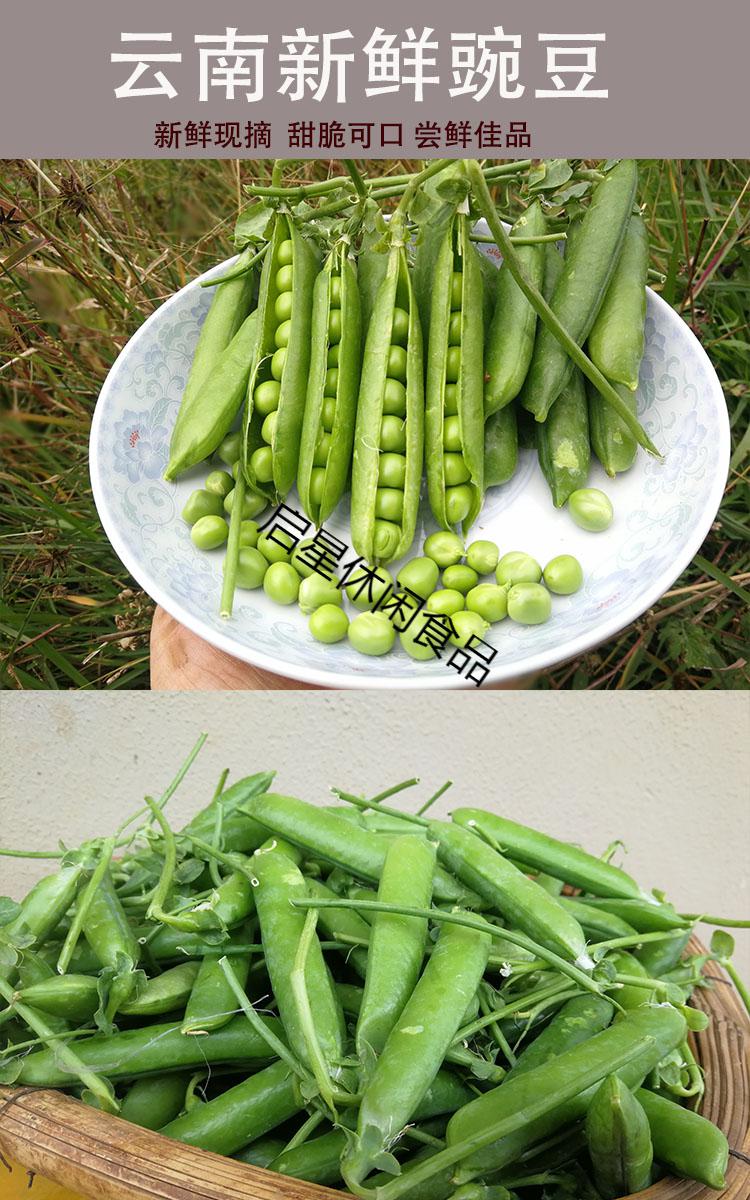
344, 352
364, 996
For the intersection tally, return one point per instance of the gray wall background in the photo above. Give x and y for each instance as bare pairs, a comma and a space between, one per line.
667, 773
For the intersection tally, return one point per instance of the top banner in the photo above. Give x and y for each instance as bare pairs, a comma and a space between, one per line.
83, 79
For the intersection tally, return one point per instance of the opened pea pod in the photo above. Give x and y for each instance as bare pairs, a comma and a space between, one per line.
454, 416
389, 435
331, 405
280, 361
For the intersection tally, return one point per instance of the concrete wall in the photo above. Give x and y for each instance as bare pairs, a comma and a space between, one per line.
665, 772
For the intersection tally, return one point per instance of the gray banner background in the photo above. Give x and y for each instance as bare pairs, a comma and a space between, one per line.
675, 71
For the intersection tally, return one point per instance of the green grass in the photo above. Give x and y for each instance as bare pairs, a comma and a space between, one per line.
89, 249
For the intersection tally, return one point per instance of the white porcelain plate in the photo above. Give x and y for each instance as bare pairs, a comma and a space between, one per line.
663, 512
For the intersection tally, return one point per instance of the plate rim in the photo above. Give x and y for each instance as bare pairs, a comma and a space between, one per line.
503, 674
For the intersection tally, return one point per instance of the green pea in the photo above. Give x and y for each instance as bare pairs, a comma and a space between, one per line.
450, 399
391, 471
453, 364
460, 578
490, 600
454, 329
563, 575
452, 434
420, 575
482, 556
457, 290
285, 252
283, 307
266, 397
335, 292
201, 503
251, 568
371, 633
393, 434
518, 567
332, 381
420, 651
252, 504
591, 509
219, 482
397, 363
261, 464
249, 533
285, 278
334, 326
277, 548
444, 548
446, 601
457, 504
317, 484
455, 470
277, 363
231, 447
209, 532
316, 591
322, 448
281, 583
394, 398
333, 355
466, 625
268, 428
302, 568
385, 539
367, 595
389, 504
328, 624
400, 327
281, 336
328, 413
529, 604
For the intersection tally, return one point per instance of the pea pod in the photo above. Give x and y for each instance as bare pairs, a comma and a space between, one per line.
577, 1021
333, 838
561, 859
597, 923
630, 995
205, 421
616, 339
195, 434
165, 993
619, 1141
151, 1103
582, 286
685, 1141
611, 440
280, 361
397, 944
529, 907
645, 915
261, 1152
334, 921
663, 1028
244, 1112
660, 957
500, 446
454, 415
392, 379
44, 907
151, 1050
75, 997
110, 935
281, 926
416, 1046
331, 405
510, 342
212, 1002
317, 1160
228, 905
238, 832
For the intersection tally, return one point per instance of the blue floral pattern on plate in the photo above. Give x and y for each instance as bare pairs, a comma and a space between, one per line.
663, 512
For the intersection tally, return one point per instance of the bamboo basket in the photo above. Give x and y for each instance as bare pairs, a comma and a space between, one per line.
99, 1156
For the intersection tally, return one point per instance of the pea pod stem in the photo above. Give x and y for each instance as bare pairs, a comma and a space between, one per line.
551, 991
83, 905
305, 1014
545, 313
435, 914
722, 922
238, 270
156, 910
305, 191
279, 1048
434, 797
168, 792
489, 240
361, 803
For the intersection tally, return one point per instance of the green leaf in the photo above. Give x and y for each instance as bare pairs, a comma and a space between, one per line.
550, 174
9, 910
252, 225
696, 1019
722, 944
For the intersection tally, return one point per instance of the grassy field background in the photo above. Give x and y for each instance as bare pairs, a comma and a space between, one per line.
89, 248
